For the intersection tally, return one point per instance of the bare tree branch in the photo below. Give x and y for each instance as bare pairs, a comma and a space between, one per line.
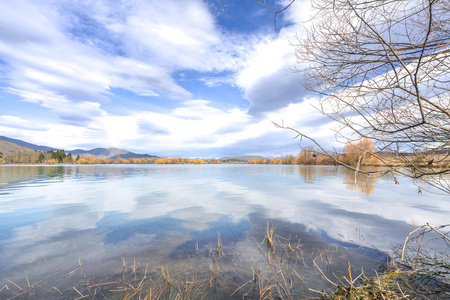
382, 70
276, 12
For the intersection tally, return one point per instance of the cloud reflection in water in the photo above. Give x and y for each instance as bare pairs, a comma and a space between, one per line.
96, 213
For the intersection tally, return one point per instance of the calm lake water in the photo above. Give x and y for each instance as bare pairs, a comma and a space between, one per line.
55, 218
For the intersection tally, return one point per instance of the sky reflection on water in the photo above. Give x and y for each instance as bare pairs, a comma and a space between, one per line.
51, 216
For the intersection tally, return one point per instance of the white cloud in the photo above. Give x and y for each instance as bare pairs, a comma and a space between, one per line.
269, 57
75, 113
200, 125
298, 13
150, 41
217, 81
196, 109
18, 123
265, 77
90, 49
177, 35
50, 62
30, 25
196, 128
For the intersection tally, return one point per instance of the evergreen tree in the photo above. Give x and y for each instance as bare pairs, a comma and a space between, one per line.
41, 157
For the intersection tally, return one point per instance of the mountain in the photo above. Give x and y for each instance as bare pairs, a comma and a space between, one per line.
111, 153
27, 145
243, 158
10, 145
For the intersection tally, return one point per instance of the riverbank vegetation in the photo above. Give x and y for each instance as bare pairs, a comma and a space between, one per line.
361, 153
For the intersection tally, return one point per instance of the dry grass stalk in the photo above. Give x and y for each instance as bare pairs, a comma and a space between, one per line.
13, 284
219, 247
81, 295
124, 267
166, 275
270, 237
196, 249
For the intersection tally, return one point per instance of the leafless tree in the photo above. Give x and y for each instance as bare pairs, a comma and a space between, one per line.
276, 12
381, 69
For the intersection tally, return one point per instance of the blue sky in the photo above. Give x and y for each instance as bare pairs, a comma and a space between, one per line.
170, 78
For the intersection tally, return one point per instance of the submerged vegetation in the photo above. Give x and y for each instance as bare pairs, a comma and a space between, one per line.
280, 269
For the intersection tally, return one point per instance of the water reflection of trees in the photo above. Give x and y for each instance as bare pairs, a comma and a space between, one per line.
9, 174
26, 173
357, 181
353, 181
311, 174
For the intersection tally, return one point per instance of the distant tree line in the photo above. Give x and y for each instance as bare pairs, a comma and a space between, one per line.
28, 156
359, 153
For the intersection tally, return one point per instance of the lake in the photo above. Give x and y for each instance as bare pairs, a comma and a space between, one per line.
73, 231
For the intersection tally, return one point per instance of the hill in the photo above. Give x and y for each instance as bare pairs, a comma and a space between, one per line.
110, 153
27, 145
10, 145
243, 158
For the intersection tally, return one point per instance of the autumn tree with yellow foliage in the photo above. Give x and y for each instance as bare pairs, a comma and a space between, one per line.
362, 152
